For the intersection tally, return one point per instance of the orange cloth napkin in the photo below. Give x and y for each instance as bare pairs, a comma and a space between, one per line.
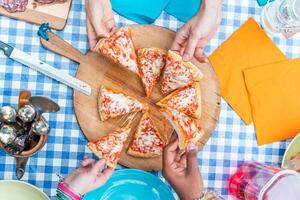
274, 93
249, 46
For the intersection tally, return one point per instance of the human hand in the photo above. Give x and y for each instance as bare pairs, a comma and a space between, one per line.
91, 175
99, 20
182, 171
197, 32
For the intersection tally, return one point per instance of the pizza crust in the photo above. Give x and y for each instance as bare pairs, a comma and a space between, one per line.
98, 153
171, 80
197, 74
140, 54
163, 51
197, 112
199, 109
134, 153
141, 155
104, 116
133, 57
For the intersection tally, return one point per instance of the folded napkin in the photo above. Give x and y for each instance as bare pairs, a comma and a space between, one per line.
147, 11
183, 10
249, 46
274, 93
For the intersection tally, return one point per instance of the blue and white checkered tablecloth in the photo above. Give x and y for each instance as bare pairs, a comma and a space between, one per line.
231, 143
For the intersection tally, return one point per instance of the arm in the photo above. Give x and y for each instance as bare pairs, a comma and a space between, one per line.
197, 32
99, 20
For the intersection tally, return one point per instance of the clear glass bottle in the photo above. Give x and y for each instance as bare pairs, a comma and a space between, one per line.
281, 17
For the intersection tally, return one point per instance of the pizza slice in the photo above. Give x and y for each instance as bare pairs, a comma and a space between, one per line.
151, 62
186, 100
147, 142
119, 48
187, 128
109, 147
178, 73
113, 104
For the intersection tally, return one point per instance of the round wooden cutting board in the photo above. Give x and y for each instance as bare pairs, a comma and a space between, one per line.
97, 70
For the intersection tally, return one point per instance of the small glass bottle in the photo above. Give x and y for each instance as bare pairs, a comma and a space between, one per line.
281, 17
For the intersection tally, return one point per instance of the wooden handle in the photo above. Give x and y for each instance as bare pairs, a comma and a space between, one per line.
58, 45
24, 98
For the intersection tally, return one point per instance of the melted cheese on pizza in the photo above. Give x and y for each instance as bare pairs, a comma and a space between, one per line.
151, 63
190, 129
185, 100
119, 47
176, 75
111, 145
118, 103
147, 139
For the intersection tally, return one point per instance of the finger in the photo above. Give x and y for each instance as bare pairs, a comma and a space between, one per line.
170, 153
110, 25
92, 37
113, 28
183, 160
179, 39
100, 29
174, 136
104, 176
172, 146
107, 173
87, 161
192, 161
190, 47
98, 167
183, 48
199, 55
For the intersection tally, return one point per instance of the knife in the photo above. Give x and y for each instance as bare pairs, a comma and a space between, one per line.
44, 68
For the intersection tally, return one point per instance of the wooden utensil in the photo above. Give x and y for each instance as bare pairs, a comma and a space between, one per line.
56, 14
97, 70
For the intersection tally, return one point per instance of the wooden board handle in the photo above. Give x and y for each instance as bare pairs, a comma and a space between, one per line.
60, 46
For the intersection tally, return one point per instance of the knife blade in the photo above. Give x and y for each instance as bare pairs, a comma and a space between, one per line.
44, 68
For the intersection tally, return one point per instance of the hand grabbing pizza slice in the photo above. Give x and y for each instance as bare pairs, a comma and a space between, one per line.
151, 61
187, 128
186, 100
113, 104
147, 142
119, 47
178, 73
109, 146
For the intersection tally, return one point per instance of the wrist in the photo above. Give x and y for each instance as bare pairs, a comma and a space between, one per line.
210, 5
191, 196
65, 190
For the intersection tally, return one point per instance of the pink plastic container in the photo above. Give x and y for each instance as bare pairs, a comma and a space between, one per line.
256, 181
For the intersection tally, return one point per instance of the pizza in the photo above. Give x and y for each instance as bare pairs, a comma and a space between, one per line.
150, 62
113, 104
147, 142
186, 100
178, 73
119, 48
109, 146
187, 128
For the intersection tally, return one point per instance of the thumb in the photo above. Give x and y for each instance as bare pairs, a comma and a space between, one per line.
192, 161
98, 167
100, 29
